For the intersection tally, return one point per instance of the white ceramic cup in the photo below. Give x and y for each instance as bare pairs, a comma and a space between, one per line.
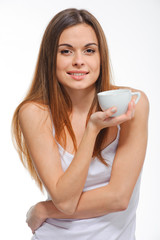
118, 98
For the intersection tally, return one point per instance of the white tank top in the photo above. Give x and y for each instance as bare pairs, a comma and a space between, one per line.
113, 226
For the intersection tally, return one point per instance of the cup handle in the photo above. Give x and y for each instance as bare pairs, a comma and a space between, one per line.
138, 94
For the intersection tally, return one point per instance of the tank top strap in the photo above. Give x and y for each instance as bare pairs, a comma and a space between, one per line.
118, 132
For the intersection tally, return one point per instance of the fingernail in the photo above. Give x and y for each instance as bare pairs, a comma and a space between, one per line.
133, 103
113, 109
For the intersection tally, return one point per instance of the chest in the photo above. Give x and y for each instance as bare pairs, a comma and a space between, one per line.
98, 173
79, 132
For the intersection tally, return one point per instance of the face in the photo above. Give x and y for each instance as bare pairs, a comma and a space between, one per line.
78, 58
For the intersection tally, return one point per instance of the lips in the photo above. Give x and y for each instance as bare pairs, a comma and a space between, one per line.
77, 75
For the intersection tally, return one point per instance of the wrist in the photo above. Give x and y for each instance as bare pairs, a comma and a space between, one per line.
47, 210
92, 128
41, 210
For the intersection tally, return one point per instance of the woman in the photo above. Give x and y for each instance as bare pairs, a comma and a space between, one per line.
89, 162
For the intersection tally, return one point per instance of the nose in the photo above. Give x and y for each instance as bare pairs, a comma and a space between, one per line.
78, 59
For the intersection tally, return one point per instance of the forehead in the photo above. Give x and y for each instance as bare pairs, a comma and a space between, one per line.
80, 34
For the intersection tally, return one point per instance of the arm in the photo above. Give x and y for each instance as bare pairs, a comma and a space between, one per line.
36, 126
38, 133
126, 168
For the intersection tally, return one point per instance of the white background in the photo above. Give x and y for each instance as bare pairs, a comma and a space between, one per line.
132, 29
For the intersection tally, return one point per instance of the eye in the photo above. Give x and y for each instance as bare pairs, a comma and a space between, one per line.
89, 51
66, 52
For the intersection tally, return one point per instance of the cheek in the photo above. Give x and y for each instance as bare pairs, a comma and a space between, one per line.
96, 65
61, 63
60, 67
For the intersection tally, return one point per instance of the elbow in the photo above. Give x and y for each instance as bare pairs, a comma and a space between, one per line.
65, 207
121, 202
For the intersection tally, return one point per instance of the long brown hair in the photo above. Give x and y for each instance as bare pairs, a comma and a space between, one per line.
45, 88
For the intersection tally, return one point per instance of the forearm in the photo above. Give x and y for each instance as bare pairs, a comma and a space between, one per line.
92, 203
70, 185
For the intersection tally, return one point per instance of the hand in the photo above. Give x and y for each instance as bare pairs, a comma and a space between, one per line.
102, 120
34, 217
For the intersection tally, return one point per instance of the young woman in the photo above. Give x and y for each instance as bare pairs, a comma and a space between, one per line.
89, 162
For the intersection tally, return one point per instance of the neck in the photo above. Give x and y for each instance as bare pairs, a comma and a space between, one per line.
81, 100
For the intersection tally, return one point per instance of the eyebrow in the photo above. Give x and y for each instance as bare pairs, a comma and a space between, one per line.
68, 45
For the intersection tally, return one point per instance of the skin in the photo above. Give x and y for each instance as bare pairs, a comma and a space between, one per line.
76, 56
79, 53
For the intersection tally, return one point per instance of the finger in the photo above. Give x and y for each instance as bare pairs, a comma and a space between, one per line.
131, 109
109, 112
126, 116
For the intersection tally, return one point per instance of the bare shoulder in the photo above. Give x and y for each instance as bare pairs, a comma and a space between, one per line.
135, 131
32, 113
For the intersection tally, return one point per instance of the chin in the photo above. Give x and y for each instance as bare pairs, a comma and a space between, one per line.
82, 86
